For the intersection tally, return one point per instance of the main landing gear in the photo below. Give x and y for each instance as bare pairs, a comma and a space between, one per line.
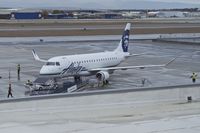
77, 79
105, 82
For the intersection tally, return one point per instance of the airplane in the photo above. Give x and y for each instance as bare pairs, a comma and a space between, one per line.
101, 64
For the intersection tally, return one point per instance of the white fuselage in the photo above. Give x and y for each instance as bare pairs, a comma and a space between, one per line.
82, 63
101, 64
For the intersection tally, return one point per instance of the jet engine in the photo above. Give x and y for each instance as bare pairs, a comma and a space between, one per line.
102, 75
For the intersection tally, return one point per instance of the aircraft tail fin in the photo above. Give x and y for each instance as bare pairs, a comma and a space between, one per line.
36, 57
124, 42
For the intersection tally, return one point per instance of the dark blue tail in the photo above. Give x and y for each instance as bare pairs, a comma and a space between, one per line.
124, 42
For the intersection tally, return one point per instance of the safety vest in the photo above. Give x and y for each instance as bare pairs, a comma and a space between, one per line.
194, 76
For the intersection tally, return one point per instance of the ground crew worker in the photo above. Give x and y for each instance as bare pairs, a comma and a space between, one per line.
193, 77
18, 70
9, 91
143, 81
29, 82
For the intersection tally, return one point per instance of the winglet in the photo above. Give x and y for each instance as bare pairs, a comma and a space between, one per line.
36, 57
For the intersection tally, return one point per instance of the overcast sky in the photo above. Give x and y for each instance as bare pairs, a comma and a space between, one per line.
102, 4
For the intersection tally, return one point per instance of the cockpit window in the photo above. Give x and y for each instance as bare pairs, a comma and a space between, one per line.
57, 63
53, 63
50, 64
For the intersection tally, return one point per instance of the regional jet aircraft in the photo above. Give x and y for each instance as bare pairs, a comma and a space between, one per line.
100, 64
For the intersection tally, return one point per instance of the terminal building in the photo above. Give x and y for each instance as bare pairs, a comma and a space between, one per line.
5, 13
26, 15
20, 14
94, 14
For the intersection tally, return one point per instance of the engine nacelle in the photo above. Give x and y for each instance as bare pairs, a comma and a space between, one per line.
102, 75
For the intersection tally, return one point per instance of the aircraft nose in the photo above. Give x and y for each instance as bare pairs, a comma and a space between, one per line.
49, 70
44, 70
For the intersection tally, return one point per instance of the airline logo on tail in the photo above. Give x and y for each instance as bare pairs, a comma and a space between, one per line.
125, 40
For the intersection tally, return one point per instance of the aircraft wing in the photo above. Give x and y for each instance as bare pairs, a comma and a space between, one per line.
36, 57
132, 67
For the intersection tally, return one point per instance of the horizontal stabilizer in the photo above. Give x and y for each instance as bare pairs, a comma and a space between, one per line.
133, 55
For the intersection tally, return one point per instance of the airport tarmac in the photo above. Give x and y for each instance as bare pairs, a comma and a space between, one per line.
179, 72
156, 111
161, 111
97, 26
27, 28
